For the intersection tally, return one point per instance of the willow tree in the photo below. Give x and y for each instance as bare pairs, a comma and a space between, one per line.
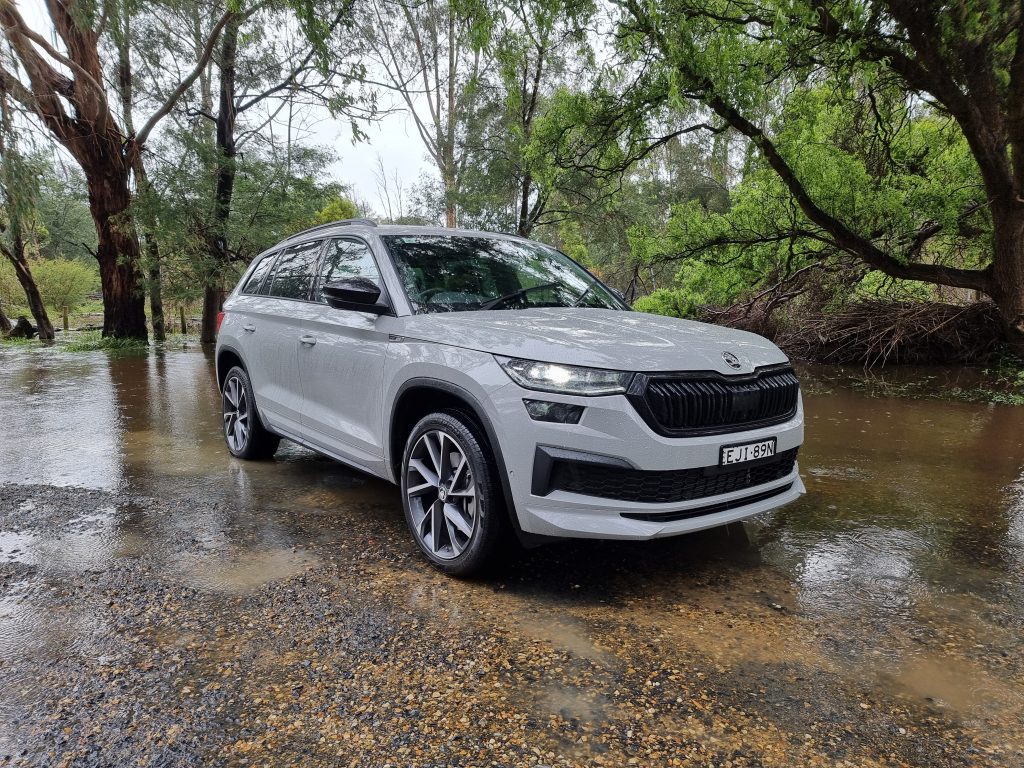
65, 87
745, 61
18, 188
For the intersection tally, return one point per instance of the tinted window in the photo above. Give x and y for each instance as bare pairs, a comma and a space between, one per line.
448, 273
252, 285
346, 258
294, 272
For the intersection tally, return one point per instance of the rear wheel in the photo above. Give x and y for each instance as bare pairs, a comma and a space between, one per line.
243, 431
451, 494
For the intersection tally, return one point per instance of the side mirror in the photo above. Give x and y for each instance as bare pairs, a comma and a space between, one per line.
356, 293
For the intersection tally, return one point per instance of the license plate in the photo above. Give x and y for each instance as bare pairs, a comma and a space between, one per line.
737, 454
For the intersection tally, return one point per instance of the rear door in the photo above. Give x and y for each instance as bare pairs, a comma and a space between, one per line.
274, 329
342, 369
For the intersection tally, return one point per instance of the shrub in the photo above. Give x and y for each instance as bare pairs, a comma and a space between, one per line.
64, 282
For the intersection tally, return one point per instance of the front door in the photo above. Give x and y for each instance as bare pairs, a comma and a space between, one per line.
342, 364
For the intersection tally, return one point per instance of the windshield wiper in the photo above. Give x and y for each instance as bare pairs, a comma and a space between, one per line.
501, 300
582, 296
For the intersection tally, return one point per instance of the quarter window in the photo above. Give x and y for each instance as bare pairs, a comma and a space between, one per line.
294, 272
346, 258
252, 285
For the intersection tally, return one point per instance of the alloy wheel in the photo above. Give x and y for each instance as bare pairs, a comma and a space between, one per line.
441, 495
236, 414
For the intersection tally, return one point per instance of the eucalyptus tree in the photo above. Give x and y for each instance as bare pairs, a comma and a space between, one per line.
64, 85
432, 54
274, 62
750, 64
536, 46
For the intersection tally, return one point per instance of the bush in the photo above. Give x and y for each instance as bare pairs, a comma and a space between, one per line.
666, 301
64, 283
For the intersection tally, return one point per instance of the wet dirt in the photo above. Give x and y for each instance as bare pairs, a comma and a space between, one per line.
164, 604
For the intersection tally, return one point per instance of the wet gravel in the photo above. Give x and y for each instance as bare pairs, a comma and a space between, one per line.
337, 646
164, 605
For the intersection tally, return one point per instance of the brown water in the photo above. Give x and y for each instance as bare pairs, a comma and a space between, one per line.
902, 570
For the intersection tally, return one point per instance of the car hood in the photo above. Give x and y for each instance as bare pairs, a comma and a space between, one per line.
598, 338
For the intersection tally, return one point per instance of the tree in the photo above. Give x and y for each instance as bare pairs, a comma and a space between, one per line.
258, 76
744, 60
532, 45
18, 192
66, 92
431, 54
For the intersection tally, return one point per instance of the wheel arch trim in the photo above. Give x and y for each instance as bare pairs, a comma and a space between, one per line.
394, 452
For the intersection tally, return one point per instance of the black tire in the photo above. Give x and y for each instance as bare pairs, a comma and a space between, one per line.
491, 528
256, 443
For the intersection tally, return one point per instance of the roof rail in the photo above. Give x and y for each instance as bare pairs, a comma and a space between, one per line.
339, 223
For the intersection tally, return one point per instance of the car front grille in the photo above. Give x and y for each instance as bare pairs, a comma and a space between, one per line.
665, 486
709, 403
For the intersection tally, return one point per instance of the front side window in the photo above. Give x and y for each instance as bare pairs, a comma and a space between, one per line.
346, 258
252, 285
449, 273
294, 272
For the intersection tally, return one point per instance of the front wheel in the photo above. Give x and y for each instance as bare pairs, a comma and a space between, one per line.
243, 431
451, 494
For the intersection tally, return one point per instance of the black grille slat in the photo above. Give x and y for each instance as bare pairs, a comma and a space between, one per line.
689, 404
665, 486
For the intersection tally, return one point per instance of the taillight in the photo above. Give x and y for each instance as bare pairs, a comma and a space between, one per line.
220, 319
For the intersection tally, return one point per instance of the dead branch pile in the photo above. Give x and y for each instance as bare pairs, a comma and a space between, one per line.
875, 332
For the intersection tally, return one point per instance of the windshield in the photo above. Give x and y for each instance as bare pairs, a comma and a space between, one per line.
452, 273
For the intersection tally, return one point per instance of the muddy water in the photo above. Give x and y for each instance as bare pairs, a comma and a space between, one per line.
879, 619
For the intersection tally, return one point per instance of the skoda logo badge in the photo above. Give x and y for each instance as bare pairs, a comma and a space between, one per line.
731, 360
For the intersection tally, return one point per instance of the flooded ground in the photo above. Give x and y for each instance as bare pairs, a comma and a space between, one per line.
163, 604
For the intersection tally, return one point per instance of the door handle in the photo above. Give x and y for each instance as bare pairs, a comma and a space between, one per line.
307, 340
250, 328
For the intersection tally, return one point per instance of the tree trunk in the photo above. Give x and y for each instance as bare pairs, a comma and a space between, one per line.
117, 251
1008, 271
213, 291
525, 226
212, 301
5, 323
16, 255
156, 295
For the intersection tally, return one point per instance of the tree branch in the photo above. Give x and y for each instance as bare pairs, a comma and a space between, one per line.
186, 83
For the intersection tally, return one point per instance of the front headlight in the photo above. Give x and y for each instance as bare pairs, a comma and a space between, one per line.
564, 379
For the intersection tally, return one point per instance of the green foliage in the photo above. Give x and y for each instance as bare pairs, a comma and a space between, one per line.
277, 192
11, 293
665, 301
65, 283
94, 341
63, 215
338, 209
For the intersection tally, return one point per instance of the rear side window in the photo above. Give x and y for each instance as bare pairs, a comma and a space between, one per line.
252, 285
294, 272
346, 258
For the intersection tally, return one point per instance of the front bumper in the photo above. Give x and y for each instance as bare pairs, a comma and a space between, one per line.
613, 430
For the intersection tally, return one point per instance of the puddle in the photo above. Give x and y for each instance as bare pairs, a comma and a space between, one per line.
243, 572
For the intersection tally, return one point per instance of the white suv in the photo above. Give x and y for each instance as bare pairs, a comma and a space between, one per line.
504, 388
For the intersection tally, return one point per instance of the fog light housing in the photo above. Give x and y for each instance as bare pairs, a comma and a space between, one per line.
558, 413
